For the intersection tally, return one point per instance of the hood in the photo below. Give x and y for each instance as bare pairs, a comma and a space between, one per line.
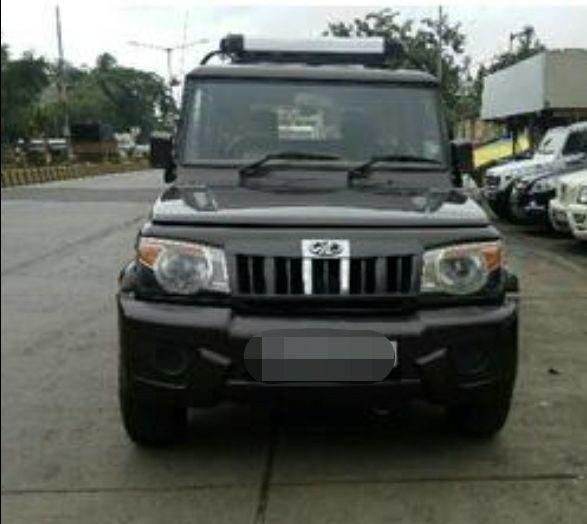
555, 170
523, 167
578, 178
318, 199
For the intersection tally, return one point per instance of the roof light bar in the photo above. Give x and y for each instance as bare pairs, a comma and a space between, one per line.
365, 51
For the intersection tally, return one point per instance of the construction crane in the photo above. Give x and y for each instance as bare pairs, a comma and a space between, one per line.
169, 54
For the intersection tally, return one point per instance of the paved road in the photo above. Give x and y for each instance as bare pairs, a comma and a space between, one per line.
65, 458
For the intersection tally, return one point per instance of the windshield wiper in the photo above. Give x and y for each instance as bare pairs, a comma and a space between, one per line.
362, 170
253, 168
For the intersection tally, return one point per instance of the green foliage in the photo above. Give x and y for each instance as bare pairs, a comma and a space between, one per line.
131, 97
22, 83
421, 43
119, 96
124, 97
527, 44
524, 46
461, 87
108, 93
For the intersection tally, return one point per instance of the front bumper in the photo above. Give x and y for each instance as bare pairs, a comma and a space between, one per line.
577, 219
493, 193
533, 206
193, 355
558, 216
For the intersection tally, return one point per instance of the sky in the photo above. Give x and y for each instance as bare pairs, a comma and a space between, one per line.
90, 28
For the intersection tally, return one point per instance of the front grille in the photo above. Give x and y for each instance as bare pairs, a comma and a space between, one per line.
491, 180
258, 275
568, 194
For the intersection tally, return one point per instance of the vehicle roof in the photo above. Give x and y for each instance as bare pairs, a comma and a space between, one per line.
306, 72
578, 126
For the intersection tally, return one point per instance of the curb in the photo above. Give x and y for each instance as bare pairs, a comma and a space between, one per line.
38, 175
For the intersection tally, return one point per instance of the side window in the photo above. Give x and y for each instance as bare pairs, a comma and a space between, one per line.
576, 143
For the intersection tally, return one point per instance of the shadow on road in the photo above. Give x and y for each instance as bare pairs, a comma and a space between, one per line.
366, 433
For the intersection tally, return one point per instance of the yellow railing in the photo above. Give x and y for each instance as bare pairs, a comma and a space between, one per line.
12, 176
499, 149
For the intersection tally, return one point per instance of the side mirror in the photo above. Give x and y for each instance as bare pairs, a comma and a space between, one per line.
161, 155
462, 160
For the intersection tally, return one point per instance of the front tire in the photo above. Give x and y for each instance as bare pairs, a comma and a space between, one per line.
149, 423
484, 418
500, 207
515, 211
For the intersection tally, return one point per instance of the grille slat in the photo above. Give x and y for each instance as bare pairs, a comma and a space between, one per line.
258, 275
269, 270
380, 275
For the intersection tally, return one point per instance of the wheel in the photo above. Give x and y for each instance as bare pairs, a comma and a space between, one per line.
515, 210
547, 223
148, 423
499, 207
506, 210
482, 419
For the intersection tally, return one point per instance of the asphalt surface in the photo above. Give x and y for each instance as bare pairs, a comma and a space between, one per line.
65, 458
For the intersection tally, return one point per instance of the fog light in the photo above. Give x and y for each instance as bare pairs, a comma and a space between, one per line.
170, 360
470, 360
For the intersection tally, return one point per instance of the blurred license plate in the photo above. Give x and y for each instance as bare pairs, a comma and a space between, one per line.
328, 356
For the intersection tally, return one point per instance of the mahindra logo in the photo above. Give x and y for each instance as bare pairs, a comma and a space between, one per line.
320, 248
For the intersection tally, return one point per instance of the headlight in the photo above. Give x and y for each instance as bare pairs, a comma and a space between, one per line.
521, 184
582, 198
543, 185
462, 269
184, 268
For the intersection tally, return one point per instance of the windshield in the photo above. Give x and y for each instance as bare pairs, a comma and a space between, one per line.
551, 142
576, 143
246, 119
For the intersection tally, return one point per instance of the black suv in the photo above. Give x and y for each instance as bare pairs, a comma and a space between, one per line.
314, 245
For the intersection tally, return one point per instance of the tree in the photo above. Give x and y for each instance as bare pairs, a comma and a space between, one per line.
23, 80
119, 96
527, 45
421, 41
138, 98
108, 93
105, 62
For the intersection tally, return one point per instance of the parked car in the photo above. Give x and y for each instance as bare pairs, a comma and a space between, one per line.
568, 209
559, 146
531, 194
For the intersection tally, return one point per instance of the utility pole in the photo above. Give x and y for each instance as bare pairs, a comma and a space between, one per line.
61, 87
439, 37
171, 80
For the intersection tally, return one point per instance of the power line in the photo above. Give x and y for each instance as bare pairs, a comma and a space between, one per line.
168, 50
